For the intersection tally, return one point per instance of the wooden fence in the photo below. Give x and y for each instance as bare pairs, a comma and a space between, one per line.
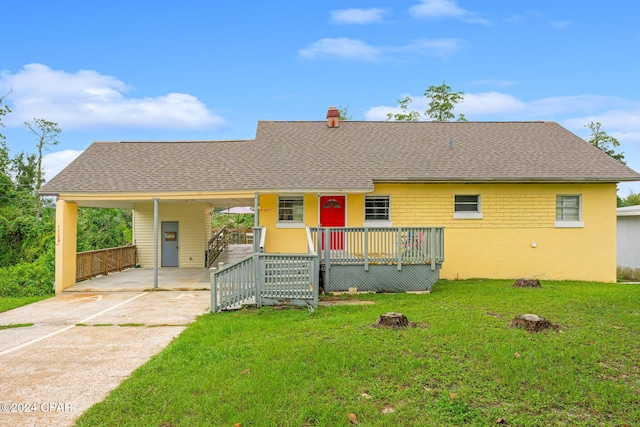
104, 261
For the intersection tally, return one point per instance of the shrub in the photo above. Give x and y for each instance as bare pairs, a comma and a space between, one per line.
28, 279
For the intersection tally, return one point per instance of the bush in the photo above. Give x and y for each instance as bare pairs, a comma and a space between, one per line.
629, 274
28, 279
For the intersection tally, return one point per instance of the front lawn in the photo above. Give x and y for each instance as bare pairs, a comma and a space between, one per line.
460, 365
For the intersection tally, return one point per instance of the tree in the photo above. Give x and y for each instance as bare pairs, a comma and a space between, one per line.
603, 142
24, 168
441, 105
404, 115
344, 113
46, 133
4, 152
443, 102
633, 199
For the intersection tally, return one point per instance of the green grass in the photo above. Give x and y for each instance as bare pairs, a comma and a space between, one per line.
9, 303
15, 325
462, 365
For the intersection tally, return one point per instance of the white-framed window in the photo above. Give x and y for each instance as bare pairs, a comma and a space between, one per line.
290, 212
467, 206
569, 211
377, 211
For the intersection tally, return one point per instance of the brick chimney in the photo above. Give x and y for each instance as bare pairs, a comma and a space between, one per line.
333, 117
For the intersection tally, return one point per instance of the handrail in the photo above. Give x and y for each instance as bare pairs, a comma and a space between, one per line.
380, 245
216, 245
99, 262
266, 279
310, 246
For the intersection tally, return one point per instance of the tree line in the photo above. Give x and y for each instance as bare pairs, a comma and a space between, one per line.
27, 221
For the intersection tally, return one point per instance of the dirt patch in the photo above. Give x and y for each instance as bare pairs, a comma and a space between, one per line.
328, 303
527, 283
533, 323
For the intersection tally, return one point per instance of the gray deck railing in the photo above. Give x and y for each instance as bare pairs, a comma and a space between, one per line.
379, 245
266, 279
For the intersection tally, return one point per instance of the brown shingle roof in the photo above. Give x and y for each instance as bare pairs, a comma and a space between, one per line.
311, 156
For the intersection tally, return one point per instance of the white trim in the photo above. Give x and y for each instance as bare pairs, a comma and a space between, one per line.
290, 224
377, 223
569, 224
468, 215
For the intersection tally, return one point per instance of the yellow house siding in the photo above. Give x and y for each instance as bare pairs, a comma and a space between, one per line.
286, 240
516, 217
192, 225
516, 236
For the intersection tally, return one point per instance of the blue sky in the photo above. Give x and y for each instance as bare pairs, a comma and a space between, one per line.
165, 70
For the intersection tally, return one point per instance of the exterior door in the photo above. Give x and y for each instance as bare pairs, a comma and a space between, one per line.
332, 214
169, 244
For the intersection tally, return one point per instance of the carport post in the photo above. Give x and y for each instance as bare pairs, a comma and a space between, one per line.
256, 211
155, 243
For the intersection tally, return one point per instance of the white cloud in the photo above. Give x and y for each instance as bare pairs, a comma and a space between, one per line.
53, 163
560, 25
360, 51
357, 16
432, 47
87, 99
490, 103
342, 48
445, 9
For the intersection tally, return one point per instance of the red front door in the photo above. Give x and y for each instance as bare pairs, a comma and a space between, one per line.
332, 214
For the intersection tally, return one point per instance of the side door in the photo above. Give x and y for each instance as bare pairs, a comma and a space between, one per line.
169, 235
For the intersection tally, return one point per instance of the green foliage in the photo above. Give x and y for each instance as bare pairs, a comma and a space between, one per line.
4, 110
219, 220
344, 113
46, 134
29, 279
441, 105
25, 172
101, 228
632, 199
404, 115
23, 238
603, 142
443, 102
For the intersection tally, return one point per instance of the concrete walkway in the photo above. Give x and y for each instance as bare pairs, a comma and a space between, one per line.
81, 346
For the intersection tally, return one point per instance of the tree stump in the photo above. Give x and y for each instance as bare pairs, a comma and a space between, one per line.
527, 283
532, 323
392, 321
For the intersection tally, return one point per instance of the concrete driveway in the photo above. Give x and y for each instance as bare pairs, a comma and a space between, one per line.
81, 346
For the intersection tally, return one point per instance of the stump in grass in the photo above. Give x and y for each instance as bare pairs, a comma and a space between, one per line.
392, 321
532, 323
527, 283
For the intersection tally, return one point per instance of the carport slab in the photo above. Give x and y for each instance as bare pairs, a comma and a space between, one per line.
61, 369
